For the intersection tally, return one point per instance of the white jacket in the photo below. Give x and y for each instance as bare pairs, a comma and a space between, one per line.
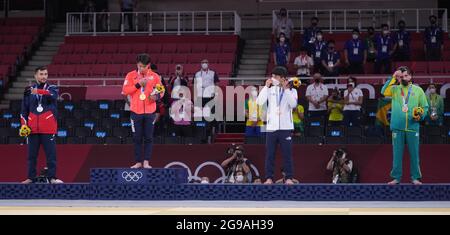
279, 113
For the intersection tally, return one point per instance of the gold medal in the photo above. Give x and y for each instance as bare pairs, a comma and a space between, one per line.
405, 108
142, 96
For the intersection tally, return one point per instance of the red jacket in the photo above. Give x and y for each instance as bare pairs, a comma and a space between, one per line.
132, 88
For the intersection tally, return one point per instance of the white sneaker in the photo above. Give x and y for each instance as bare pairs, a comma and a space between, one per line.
56, 181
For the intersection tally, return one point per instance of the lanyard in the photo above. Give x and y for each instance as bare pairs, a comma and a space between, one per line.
405, 101
435, 32
331, 57
433, 98
387, 41
356, 45
39, 97
319, 46
281, 96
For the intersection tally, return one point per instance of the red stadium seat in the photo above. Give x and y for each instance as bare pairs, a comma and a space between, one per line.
104, 59
114, 70
124, 48
65, 49
191, 69
83, 70
8, 59
89, 59
110, 48
74, 59
447, 67
179, 59
80, 48
195, 58
66, 71
169, 48
154, 48
228, 48
436, 68
139, 48
213, 57
198, 48
214, 48
59, 59
164, 69
184, 48
119, 58
131, 58
98, 70
221, 69
95, 48
226, 58
15, 49
419, 68
165, 59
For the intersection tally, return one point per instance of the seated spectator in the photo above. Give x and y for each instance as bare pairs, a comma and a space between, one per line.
402, 43
237, 167
355, 54
298, 117
283, 179
385, 46
181, 113
316, 49
335, 106
370, 41
283, 25
331, 60
317, 95
303, 63
353, 99
253, 114
434, 40
342, 168
436, 102
281, 51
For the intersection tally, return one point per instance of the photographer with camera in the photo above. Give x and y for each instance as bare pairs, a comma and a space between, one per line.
342, 167
237, 167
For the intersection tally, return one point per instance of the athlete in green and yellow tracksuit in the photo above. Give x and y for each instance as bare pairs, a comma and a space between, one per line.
405, 97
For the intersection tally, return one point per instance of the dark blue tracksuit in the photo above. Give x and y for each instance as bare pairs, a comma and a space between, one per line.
43, 126
142, 127
282, 137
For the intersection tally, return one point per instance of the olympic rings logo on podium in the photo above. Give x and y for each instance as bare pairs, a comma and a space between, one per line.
132, 176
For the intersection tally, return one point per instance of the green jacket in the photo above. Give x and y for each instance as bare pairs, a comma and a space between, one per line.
399, 119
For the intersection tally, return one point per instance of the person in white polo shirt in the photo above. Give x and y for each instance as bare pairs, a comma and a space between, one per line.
353, 99
204, 82
280, 102
317, 95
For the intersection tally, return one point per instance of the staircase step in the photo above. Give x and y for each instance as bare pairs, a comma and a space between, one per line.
4, 106
15, 90
38, 63
257, 46
25, 78
253, 61
251, 56
252, 66
51, 43
258, 41
256, 51
252, 72
50, 53
42, 57
25, 73
48, 48
20, 84
14, 96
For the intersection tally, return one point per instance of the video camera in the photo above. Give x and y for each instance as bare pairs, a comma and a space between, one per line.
43, 177
236, 149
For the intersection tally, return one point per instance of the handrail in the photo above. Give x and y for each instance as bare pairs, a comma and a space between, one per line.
342, 20
156, 22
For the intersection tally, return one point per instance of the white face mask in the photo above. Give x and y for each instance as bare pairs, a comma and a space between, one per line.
275, 82
239, 178
355, 36
204, 66
204, 182
282, 39
432, 90
319, 37
254, 93
385, 32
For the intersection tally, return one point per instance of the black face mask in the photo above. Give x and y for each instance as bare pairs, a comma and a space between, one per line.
283, 14
433, 22
401, 27
314, 24
404, 82
317, 80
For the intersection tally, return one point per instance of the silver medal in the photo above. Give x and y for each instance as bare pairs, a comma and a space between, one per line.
40, 108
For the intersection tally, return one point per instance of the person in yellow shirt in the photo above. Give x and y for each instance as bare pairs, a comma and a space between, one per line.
335, 107
253, 113
298, 116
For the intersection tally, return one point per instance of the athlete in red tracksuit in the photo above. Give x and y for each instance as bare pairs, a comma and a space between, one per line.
139, 85
39, 114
